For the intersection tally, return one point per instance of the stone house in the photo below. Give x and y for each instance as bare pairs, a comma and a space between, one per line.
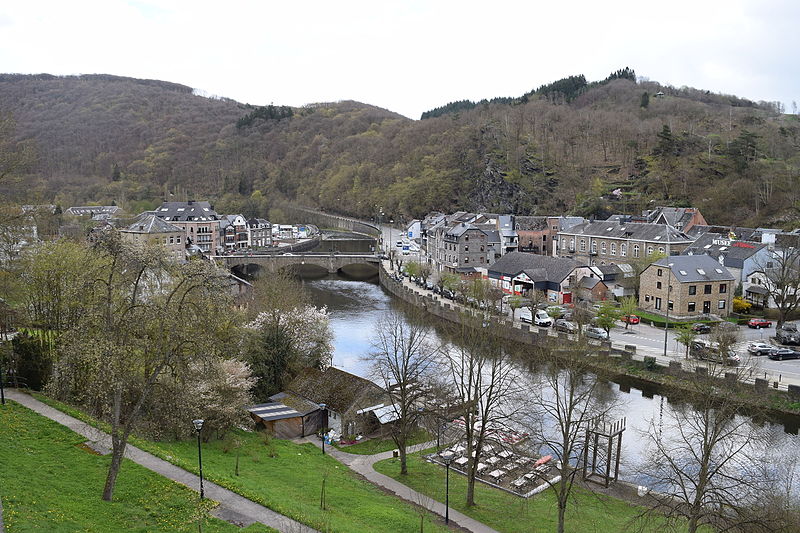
462, 247
198, 220
686, 286
151, 229
612, 241
343, 394
738, 256
520, 273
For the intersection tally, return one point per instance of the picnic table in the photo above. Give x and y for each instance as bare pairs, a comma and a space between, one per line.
505, 454
461, 461
482, 467
520, 481
493, 460
496, 474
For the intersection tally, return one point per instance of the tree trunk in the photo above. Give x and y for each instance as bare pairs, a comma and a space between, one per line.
117, 453
562, 511
470, 491
403, 462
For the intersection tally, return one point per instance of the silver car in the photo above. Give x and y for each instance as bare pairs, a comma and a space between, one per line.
596, 333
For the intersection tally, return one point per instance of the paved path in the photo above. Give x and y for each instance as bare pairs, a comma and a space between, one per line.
232, 506
363, 464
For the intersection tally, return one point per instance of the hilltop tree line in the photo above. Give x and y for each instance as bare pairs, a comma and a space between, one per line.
560, 149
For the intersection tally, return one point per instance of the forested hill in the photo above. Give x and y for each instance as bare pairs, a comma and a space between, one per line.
588, 148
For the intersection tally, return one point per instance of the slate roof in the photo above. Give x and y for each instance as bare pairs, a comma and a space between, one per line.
93, 209
589, 282
556, 269
298, 403
734, 252
694, 268
674, 216
531, 223
186, 211
152, 224
338, 389
613, 229
273, 411
744, 234
460, 229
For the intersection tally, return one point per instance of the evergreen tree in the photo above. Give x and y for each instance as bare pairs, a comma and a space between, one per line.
645, 100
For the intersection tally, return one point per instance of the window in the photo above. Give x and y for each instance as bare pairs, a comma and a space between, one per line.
658, 303
603, 248
623, 250
594, 247
613, 248
466, 248
692, 290
721, 304
481, 248
583, 245
544, 237
707, 289
635, 250
649, 250
661, 249
669, 305
466, 238
646, 297
723, 288
466, 259
658, 284
691, 307
659, 273
572, 244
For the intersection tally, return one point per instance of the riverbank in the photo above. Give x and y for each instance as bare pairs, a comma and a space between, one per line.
622, 362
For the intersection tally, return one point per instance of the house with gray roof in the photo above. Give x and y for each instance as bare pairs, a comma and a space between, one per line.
612, 241
149, 229
686, 286
739, 257
520, 273
680, 218
198, 220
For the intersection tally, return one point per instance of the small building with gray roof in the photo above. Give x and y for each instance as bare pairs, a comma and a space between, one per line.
520, 273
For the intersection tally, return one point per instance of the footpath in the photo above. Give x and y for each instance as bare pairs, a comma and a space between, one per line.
232, 507
363, 464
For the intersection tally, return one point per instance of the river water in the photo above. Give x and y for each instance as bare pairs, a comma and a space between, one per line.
355, 308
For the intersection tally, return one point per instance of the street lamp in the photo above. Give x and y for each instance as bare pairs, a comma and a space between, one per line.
669, 289
198, 425
322, 407
447, 457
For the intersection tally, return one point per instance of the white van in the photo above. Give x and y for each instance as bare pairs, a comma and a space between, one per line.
542, 319
525, 315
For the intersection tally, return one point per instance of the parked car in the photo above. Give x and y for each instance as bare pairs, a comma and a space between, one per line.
779, 354
565, 326
757, 323
630, 319
555, 310
594, 332
399, 244
787, 334
700, 327
760, 348
542, 319
710, 351
525, 315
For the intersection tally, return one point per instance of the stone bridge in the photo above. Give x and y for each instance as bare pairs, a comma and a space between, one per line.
251, 264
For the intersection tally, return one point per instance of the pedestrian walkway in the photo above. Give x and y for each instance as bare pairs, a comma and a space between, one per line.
232, 506
363, 464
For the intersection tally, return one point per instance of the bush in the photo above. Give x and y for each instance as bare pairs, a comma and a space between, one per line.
740, 305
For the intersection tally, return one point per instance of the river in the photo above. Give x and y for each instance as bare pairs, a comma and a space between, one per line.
355, 308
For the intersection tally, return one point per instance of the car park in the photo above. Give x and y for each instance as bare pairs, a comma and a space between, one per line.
630, 319
757, 323
700, 327
779, 354
565, 325
787, 334
760, 348
596, 333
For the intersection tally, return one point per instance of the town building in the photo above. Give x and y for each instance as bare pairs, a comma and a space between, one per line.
259, 233
521, 273
198, 220
149, 229
538, 234
461, 248
739, 257
612, 242
93, 210
233, 229
681, 218
686, 286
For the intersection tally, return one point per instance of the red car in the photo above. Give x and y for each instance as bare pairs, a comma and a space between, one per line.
630, 319
757, 323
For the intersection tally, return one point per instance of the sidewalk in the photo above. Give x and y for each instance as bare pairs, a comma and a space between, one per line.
232, 507
362, 464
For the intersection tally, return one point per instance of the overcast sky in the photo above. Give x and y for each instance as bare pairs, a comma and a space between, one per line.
408, 56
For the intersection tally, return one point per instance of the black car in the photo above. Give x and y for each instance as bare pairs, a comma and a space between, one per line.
783, 353
701, 328
787, 334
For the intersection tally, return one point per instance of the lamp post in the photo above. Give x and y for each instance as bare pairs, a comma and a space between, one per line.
669, 289
322, 407
198, 425
447, 457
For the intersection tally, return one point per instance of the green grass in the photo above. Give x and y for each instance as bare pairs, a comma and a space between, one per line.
373, 446
505, 512
289, 483
48, 483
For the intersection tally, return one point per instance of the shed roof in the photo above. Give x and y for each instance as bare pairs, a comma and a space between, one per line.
273, 411
338, 389
556, 269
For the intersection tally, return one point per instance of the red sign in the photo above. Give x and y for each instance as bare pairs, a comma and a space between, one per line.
740, 244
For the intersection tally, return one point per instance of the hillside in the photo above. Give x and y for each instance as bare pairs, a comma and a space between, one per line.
563, 147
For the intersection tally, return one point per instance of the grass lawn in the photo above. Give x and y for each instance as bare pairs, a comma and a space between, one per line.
505, 512
48, 483
290, 482
373, 446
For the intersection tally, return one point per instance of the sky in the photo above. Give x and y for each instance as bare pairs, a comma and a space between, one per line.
408, 56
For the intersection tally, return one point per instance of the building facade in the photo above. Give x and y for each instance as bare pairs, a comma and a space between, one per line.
149, 229
198, 220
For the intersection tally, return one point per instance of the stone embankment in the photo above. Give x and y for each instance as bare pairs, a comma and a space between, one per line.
609, 357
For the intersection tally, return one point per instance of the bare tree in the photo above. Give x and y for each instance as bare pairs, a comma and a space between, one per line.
401, 360
780, 275
705, 462
567, 400
484, 381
